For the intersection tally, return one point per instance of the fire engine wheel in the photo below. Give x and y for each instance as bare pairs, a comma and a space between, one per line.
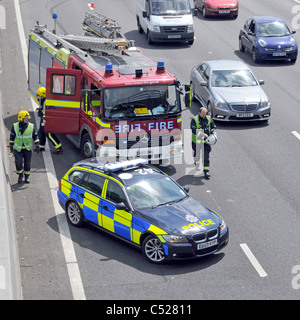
86, 146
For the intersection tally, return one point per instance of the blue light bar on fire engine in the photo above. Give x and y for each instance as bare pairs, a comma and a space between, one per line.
108, 69
118, 166
160, 66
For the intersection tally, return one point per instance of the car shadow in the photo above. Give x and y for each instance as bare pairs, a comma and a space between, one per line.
247, 58
107, 248
141, 42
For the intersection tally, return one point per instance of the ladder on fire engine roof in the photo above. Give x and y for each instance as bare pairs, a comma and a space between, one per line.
101, 25
82, 43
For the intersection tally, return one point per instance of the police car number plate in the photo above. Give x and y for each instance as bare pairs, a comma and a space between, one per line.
207, 244
244, 115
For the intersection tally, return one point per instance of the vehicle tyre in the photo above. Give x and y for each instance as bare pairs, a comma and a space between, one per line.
293, 60
140, 29
153, 250
204, 12
191, 42
86, 146
241, 46
149, 38
255, 56
193, 98
74, 214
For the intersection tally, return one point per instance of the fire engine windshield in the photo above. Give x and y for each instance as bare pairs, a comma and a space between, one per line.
143, 101
170, 7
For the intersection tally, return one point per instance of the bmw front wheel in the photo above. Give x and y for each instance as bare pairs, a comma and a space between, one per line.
153, 250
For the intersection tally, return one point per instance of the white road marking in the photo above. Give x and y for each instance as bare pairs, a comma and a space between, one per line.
253, 260
296, 134
67, 243
2, 18
2, 278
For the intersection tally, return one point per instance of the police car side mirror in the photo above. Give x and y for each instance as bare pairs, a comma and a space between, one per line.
186, 189
121, 206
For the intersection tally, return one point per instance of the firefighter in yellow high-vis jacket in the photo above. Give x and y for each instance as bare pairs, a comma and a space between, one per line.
22, 136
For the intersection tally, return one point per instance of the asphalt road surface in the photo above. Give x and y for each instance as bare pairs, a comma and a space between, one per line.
255, 179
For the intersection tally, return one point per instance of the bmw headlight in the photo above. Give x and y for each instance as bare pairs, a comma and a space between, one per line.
174, 239
222, 226
262, 43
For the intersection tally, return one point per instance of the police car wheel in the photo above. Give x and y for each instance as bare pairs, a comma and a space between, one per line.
153, 250
74, 214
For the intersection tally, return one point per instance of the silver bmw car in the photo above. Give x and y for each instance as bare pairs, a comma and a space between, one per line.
229, 91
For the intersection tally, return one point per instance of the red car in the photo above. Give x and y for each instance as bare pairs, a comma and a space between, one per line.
218, 7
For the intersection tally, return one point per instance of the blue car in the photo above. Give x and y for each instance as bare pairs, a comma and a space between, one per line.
141, 205
268, 38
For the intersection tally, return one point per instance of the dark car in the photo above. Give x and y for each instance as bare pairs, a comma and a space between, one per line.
268, 38
140, 204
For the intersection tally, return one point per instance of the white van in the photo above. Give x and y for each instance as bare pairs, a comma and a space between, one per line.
165, 20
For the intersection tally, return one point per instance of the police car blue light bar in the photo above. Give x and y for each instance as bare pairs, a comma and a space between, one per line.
113, 167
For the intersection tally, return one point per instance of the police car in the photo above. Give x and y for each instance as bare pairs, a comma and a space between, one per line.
140, 204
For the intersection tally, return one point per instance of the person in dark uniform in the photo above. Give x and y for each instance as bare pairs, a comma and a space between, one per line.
41, 96
202, 127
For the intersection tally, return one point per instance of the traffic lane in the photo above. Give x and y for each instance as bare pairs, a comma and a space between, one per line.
42, 266
117, 271
256, 208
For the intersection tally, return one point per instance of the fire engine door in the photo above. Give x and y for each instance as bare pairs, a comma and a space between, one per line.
62, 105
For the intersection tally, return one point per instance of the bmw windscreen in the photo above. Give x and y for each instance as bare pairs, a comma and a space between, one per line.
150, 194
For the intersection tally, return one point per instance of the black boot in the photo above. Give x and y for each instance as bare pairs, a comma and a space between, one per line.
27, 178
206, 175
20, 178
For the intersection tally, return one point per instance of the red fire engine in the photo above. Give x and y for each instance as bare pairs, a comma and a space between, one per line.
104, 94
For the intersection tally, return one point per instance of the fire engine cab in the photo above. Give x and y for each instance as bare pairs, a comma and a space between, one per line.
104, 94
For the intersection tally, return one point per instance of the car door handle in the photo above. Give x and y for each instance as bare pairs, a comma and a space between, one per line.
105, 207
81, 195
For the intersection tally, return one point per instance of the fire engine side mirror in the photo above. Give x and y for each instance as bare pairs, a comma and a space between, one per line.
85, 92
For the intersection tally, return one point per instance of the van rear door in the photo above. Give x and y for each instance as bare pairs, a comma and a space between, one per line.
62, 105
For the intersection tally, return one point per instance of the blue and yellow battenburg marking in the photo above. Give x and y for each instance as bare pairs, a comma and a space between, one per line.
104, 213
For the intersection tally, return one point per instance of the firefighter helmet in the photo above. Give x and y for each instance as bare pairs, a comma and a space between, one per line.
212, 139
41, 91
23, 114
